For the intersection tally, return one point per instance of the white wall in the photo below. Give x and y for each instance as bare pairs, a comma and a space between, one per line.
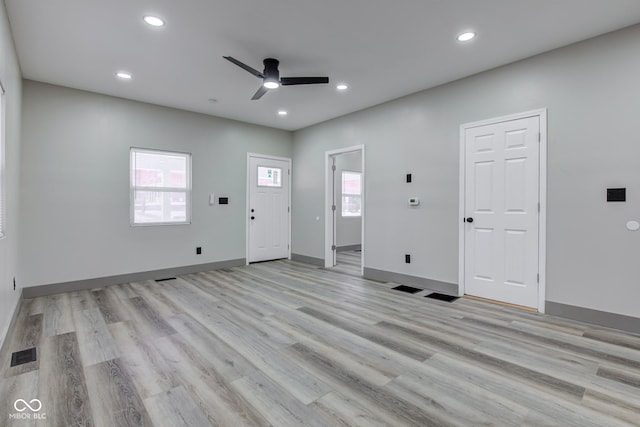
592, 94
11, 80
348, 229
75, 204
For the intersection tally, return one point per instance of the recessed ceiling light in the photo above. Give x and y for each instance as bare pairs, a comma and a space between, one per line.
124, 75
154, 21
465, 37
282, 113
342, 86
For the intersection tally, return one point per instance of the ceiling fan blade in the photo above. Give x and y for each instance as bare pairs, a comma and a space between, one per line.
288, 81
244, 66
261, 91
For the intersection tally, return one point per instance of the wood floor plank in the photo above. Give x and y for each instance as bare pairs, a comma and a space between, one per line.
110, 305
114, 399
62, 386
82, 300
145, 365
58, 315
151, 292
288, 374
23, 386
338, 410
344, 380
226, 360
146, 320
210, 389
278, 406
175, 408
561, 411
94, 340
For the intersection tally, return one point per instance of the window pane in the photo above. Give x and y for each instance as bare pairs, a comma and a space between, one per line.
351, 205
159, 170
269, 177
160, 206
351, 183
351, 193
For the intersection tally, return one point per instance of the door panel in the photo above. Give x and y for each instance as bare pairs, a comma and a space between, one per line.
268, 209
502, 195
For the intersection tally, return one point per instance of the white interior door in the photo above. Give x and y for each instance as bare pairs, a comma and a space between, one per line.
501, 205
268, 208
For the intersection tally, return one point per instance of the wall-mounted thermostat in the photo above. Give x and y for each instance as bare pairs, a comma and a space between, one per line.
414, 201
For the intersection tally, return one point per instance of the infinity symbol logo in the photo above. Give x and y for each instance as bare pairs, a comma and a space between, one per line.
26, 405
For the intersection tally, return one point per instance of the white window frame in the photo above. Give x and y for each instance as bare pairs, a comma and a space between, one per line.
3, 174
343, 194
133, 188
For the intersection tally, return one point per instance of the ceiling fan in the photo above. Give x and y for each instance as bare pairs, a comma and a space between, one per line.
271, 76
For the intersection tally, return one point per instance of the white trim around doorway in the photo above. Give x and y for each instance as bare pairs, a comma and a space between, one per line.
328, 198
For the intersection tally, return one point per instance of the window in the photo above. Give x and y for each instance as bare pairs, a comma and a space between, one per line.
351, 193
269, 177
160, 187
2, 164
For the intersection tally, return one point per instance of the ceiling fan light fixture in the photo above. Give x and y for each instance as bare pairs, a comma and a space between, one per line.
271, 84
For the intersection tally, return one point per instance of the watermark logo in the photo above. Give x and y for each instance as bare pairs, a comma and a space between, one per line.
23, 407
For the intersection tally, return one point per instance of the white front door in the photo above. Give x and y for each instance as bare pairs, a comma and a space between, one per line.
501, 208
268, 208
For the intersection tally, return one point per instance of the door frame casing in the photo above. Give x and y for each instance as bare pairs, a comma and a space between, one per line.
328, 200
542, 198
248, 201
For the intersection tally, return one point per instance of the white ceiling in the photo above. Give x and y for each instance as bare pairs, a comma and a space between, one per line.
382, 49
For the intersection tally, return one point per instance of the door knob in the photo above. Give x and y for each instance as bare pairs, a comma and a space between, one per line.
252, 210
469, 219
253, 217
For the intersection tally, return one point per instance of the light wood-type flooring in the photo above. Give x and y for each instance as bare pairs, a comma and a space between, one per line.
288, 344
349, 262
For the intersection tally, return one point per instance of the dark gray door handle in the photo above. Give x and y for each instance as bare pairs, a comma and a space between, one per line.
469, 219
253, 217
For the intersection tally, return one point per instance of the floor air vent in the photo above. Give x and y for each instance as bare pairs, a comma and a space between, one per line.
441, 297
407, 289
24, 356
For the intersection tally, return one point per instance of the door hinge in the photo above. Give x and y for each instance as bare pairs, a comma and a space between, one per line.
539, 137
538, 278
333, 168
288, 208
333, 208
333, 247
288, 171
538, 207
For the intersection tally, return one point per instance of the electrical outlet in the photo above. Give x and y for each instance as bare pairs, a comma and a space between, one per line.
198, 250
407, 258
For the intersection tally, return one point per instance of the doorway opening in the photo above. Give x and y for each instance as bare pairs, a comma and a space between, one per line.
345, 209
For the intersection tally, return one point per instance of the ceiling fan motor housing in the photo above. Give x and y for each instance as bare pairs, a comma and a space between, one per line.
271, 72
